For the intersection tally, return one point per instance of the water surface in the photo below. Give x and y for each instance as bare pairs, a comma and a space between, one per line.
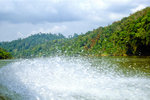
76, 78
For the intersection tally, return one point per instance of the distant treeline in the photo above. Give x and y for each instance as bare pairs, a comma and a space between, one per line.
129, 36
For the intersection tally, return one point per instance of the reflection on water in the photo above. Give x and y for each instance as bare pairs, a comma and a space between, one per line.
125, 66
74, 78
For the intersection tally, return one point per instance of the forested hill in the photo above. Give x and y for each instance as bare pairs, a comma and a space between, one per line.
129, 36
20, 47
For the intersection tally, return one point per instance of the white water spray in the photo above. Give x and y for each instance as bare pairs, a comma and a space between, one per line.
61, 78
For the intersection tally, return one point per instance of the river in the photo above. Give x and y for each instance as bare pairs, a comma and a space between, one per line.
75, 78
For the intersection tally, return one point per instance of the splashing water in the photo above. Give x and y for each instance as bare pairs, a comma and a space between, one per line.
64, 78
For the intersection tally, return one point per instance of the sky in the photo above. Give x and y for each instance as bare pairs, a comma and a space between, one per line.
22, 18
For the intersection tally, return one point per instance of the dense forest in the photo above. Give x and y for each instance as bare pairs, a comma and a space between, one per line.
129, 36
30, 46
4, 54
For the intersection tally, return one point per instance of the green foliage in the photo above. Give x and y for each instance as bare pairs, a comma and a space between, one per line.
33, 45
4, 54
129, 36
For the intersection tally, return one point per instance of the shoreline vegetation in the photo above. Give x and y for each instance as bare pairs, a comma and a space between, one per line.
4, 54
128, 37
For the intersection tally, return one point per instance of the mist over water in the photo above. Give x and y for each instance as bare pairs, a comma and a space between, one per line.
66, 78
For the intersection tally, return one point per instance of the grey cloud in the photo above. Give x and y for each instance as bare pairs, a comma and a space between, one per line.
25, 17
37, 18
124, 8
37, 12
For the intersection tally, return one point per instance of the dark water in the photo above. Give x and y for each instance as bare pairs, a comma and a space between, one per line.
76, 78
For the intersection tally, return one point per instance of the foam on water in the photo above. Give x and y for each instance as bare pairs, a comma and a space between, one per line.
62, 78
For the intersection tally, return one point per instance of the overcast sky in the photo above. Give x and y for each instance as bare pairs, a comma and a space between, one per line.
21, 18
